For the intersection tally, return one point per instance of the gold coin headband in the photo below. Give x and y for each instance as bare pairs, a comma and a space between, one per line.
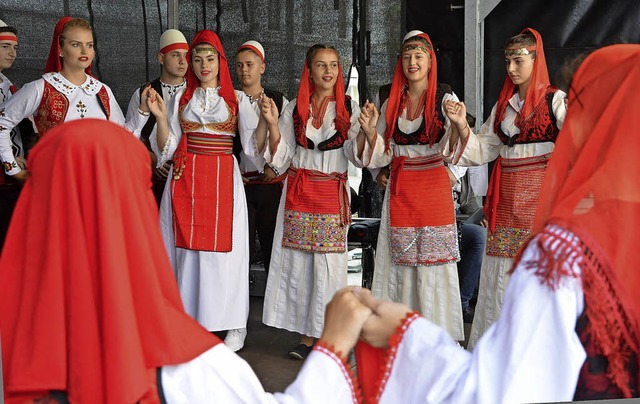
413, 46
209, 50
519, 51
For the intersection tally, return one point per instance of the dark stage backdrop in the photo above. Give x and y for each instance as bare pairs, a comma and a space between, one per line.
127, 34
568, 28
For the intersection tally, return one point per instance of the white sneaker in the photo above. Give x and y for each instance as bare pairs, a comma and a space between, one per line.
235, 339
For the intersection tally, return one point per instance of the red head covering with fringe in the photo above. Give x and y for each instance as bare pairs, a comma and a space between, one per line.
94, 308
224, 77
54, 61
591, 187
305, 91
537, 89
397, 85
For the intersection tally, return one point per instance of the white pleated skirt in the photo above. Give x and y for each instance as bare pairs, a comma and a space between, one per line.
493, 283
300, 284
432, 290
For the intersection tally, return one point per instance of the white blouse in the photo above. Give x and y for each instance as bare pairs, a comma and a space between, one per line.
83, 103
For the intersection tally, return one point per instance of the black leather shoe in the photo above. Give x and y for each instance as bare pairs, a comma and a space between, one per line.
300, 352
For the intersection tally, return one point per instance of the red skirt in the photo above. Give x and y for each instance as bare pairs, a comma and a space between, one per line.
422, 223
316, 211
202, 193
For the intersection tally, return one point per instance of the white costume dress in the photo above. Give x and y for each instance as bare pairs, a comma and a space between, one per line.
433, 290
301, 283
482, 148
214, 285
82, 103
5, 94
530, 354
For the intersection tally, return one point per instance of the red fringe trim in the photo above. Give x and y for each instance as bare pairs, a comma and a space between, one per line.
341, 359
611, 321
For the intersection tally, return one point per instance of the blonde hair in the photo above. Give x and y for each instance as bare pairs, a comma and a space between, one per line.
75, 23
311, 52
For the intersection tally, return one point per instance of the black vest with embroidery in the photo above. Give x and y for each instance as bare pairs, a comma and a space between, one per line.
334, 142
593, 383
151, 121
421, 135
546, 129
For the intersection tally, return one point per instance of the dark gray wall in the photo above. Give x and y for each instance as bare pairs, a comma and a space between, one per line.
127, 42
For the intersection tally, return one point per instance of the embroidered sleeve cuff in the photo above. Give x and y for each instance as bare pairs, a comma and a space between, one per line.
11, 167
392, 351
460, 147
164, 157
340, 359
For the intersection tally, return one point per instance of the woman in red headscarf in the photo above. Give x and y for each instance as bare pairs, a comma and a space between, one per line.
89, 308
66, 91
317, 135
418, 244
520, 132
203, 212
570, 326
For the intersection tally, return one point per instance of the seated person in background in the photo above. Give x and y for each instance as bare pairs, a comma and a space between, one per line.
95, 316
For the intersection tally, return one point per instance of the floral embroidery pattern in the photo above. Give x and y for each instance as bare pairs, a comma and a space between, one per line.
314, 232
81, 108
9, 166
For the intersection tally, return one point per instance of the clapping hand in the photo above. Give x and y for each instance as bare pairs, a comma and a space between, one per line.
368, 119
269, 110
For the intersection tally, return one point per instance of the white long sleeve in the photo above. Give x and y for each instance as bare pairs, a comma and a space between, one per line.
531, 354
221, 376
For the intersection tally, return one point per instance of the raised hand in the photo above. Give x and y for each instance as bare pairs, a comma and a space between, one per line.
344, 317
368, 119
156, 105
144, 96
269, 110
456, 112
383, 323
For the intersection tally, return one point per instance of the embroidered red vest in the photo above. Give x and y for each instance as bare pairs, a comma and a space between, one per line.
54, 106
544, 127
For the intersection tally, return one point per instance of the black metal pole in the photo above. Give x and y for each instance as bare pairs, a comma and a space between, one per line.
363, 51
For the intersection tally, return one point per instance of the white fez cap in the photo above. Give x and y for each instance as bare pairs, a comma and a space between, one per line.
413, 33
255, 47
172, 39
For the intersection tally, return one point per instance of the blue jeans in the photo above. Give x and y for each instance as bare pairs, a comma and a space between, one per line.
472, 250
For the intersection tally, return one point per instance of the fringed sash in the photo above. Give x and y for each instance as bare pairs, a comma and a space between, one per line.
421, 213
202, 192
316, 211
511, 203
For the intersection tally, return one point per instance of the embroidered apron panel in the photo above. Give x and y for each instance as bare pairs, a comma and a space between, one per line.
422, 229
316, 213
520, 184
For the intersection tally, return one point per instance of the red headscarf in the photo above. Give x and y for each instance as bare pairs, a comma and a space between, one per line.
537, 88
306, 89
591, 187
54, 61
88, 301
224, 77
397, 86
